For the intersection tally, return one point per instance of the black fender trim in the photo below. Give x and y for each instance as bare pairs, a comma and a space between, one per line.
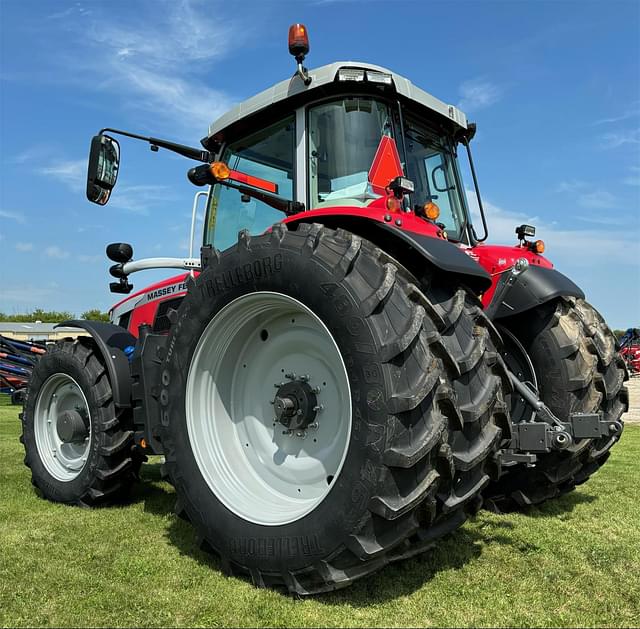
534, 287
111, 341
410, 248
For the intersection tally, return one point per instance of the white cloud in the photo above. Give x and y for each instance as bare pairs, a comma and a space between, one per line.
634, 178
478, 93
56, 252
629, 113
620, 138
29, 155
24, 246
587, 196
139, 199
71, 173
22, 294
153, 66
597, 200
13, 216
566, 247
91, 259
572, 185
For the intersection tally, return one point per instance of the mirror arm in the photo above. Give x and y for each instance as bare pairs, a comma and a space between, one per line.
187, 151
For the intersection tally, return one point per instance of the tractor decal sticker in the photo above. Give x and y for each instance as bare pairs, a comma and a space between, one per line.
166, 291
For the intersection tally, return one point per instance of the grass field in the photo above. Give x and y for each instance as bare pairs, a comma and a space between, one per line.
574, 562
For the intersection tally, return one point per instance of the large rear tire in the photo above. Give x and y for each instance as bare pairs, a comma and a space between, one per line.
78, 445
573, 353
412, 392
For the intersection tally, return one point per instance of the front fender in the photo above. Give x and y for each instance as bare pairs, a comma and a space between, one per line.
111, 341
534, 287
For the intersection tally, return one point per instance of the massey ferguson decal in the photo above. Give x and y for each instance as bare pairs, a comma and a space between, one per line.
166, 291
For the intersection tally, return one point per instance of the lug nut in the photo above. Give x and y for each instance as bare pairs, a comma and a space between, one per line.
291, 376
316, 389
305, 378
318, 408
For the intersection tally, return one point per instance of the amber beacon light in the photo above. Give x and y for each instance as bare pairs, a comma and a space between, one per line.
298, 41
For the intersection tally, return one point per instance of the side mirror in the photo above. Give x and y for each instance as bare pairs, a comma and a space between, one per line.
104, 160
120, 252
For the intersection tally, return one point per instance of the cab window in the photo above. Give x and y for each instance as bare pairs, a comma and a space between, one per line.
268, 154
431, 165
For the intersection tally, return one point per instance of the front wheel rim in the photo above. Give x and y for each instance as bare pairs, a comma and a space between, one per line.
256, 466
63, 460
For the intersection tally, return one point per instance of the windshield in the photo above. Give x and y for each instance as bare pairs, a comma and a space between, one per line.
431, 165
343, 138
268, 154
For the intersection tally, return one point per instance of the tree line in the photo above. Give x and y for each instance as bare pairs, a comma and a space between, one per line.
52, 316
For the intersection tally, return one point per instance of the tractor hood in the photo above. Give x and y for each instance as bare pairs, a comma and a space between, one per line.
321, 79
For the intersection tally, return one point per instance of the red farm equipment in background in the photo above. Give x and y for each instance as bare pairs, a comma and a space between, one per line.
17, 359
630, 350
348, 369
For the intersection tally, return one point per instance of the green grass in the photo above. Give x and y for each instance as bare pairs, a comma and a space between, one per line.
573, 562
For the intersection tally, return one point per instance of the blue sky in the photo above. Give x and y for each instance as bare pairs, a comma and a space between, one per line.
553, 86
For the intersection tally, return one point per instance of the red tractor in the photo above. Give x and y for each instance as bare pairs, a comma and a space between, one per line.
347, 370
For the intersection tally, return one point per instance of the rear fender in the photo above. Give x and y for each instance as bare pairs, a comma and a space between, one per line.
534, 287
111, 341
409, 248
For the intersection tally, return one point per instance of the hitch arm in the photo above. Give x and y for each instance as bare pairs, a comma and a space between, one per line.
547, 432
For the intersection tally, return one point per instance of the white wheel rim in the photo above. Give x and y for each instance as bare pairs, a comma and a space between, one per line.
256, 471
59, 393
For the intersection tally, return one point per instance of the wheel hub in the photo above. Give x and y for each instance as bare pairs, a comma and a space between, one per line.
71, 427
295, 404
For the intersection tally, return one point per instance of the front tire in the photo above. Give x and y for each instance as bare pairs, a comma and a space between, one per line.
79, 447
412, 389
573, 353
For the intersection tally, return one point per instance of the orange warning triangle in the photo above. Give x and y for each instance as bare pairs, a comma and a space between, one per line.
386, 164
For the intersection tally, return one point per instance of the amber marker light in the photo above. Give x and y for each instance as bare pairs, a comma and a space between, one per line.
393, 204
538, 246
220, 170
431, 211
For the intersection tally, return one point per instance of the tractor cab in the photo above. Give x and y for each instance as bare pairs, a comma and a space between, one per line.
316, 144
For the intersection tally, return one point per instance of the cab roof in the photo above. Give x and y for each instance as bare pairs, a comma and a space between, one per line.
323, 76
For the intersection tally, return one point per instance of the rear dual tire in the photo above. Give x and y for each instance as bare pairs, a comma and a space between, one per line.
574, 357
420, 416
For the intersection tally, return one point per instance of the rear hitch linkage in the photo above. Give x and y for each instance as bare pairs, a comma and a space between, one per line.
547, 432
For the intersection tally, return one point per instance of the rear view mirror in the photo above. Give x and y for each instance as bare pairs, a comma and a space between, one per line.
104, 159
